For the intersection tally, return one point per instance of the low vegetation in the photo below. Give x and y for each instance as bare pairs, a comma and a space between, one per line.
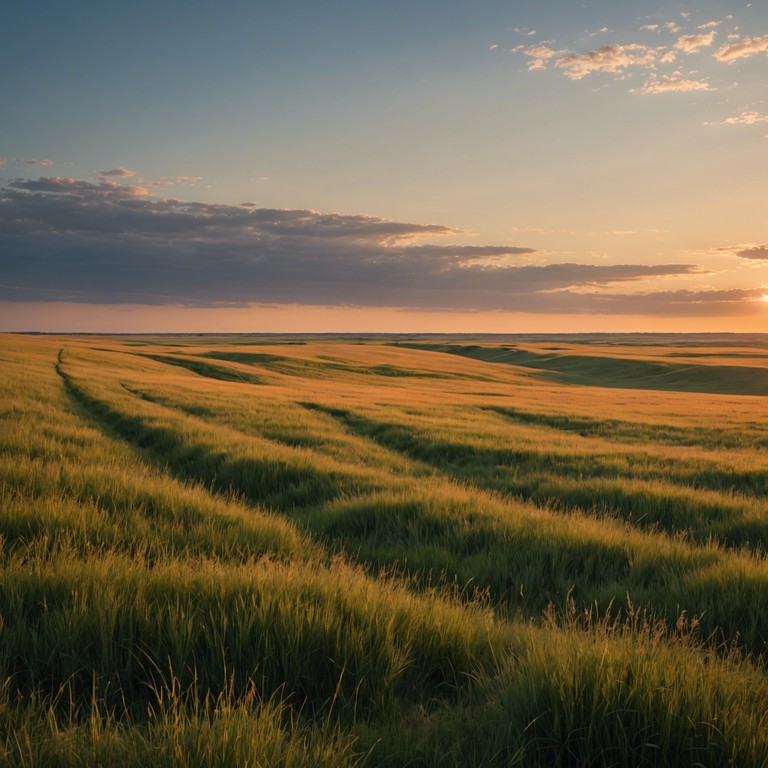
244, 551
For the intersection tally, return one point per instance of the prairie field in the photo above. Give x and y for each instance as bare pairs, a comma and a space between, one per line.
338, 551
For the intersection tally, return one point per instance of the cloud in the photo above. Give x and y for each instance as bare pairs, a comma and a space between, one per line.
3, 161
121, 172
674, 83
540, 55
168, 181
34, 161
76, 188
104, 242
693, 43
753, 252
623, 60
749, 46
610, 58
745, 118
683, 303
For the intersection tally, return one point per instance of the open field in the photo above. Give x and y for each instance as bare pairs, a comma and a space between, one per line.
341, 552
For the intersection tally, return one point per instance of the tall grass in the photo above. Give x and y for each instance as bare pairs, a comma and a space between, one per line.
337, 554
600, 693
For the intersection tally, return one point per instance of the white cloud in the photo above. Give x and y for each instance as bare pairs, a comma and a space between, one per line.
749, 46
540, 55
611, 58
623, 60
674, 83
693, 43
35, 161
746, 118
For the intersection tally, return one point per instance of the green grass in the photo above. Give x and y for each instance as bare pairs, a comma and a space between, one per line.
606, 371
203, 368
378, 556
755, 436
671, 494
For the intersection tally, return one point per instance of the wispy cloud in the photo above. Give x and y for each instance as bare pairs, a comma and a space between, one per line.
160, 183
748, 46
76, 188
745, 118
168, 181
682, 303
693, 43
35, 161
121, 172
540, 55
107, 242
674, 83
609, 58
618, 59
678, 38
3, 161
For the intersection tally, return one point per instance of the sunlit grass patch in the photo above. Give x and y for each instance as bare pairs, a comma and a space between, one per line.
359, 562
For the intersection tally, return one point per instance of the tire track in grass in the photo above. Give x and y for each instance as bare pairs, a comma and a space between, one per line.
261, 479
529, 556
632, 432
592, 485
208, 370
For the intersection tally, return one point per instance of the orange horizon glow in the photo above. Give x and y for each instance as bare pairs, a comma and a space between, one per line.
62, 317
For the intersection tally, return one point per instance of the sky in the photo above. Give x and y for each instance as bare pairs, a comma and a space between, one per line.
409, 166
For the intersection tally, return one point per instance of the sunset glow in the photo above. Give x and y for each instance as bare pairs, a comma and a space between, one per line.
491, 166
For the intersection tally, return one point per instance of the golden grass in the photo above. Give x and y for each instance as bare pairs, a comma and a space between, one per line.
217, 550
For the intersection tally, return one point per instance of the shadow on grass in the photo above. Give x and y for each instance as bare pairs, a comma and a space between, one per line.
606, 485
263, 479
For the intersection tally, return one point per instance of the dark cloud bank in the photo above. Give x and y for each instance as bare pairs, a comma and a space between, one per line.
107, 242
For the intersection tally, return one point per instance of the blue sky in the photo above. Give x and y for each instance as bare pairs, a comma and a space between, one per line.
605, 161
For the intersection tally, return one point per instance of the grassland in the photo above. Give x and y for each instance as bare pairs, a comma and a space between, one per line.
233, 551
